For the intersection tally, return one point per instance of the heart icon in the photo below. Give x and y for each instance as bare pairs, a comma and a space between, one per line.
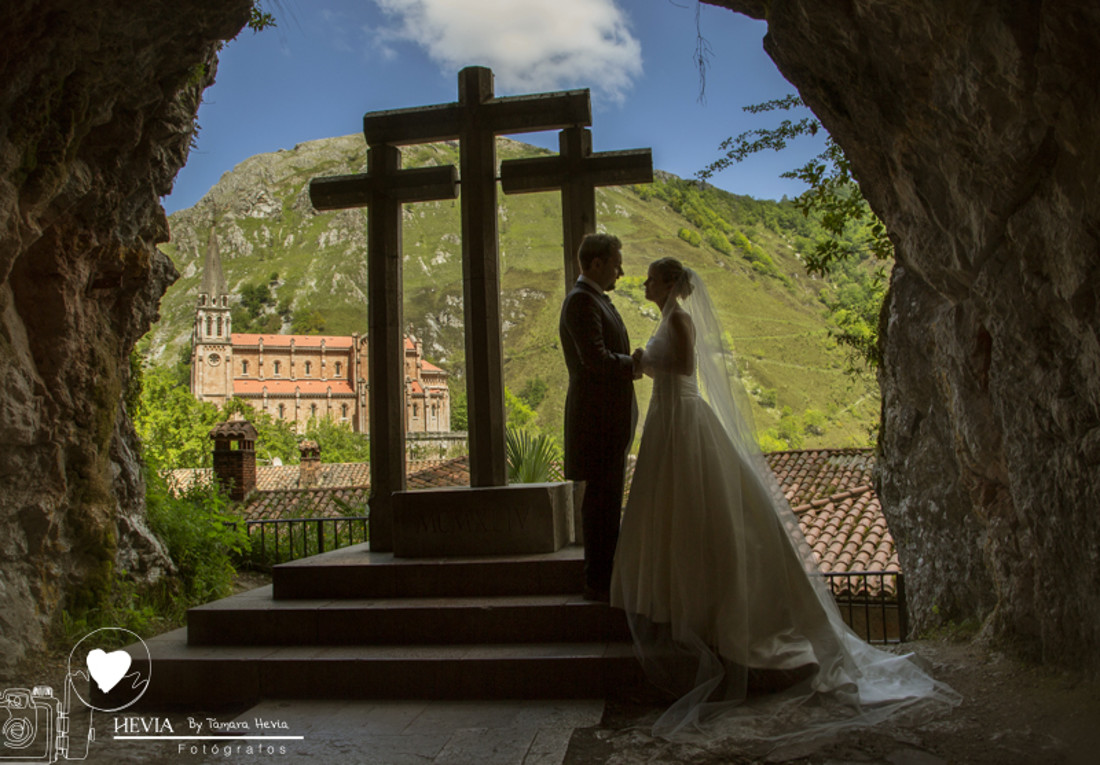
108, 668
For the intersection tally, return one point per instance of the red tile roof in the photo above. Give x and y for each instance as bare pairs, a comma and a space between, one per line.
430, 474
317, 502
282, 387
283, 341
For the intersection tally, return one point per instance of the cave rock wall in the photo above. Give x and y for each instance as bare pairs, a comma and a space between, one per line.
97, 102
974, 129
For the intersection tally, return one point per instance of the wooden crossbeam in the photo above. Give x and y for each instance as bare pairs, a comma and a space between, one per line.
476, 109
576, 172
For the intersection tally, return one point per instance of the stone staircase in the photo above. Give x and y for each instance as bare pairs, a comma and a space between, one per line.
357, 624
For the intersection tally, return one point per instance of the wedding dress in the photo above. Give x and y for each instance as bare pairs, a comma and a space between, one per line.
722, 593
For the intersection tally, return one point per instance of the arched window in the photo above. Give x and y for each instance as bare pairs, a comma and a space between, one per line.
219, 326
344, 411
416, 410
277, 367
337, 368
244, 367
209, 326
308, 367
282, 411
312, 410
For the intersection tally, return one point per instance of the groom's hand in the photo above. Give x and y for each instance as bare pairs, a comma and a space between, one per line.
637, 356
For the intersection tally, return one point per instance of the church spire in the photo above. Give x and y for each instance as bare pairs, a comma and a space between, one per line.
213, 282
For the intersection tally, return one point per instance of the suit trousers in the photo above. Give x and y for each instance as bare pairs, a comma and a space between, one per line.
601, 511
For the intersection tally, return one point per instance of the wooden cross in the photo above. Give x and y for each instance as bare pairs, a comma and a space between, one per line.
475, 120
576, 171
382, 190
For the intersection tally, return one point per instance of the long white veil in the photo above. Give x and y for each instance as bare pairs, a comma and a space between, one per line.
784, 669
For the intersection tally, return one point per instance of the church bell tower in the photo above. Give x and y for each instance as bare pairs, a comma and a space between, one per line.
211, 345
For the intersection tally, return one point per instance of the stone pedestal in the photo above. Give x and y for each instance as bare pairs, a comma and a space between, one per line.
490, 520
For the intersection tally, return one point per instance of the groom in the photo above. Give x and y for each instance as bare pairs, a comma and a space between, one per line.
600, 409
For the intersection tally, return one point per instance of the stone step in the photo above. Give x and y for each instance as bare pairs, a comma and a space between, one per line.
358, 573
254, 618
206, 676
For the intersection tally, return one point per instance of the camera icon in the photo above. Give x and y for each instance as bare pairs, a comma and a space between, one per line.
33, 727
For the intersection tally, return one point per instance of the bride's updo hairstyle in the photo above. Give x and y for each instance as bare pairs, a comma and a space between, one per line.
673, 272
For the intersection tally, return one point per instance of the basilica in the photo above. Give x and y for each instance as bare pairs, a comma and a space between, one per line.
299, 377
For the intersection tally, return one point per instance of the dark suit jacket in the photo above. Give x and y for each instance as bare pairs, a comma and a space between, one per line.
600, 408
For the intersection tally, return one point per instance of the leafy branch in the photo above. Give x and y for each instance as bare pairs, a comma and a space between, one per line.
833, 198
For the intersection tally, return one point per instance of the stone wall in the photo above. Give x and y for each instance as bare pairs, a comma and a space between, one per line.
97, 102
974, 128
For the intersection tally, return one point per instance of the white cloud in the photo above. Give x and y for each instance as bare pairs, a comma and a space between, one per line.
531, 45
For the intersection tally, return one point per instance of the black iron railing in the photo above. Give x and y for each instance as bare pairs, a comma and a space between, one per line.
872, 603
278, 540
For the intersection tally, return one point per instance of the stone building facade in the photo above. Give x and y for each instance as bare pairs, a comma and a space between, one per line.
299, 377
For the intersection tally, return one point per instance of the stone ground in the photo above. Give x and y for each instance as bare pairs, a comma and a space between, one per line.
1012, 713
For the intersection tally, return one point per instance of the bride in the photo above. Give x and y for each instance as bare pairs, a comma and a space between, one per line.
721, 591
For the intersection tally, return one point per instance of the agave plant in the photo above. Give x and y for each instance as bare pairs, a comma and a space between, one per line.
531, 458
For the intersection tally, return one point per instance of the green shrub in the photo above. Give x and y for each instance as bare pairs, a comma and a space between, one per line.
689, 236
201, 537
718, 241
532, 458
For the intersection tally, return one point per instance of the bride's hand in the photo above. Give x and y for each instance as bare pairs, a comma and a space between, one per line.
639, 362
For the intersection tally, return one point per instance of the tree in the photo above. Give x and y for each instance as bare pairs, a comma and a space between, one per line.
338, 442
459, 411
852, 232
308, 322
534, 391
517, 412
173, 425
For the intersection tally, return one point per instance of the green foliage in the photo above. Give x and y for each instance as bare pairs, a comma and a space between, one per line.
201, 536
852, 233
256, 297
173, 425
459, 409
766, 397
308, 322
254, 311
534, 391
338, 442
259, 19
718, 241
532, 458
518, 413
274, 437
814, 422
854, 304
689, 236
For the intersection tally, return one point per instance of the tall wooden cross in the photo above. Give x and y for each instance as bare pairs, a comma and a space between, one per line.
475, 120
576, 171
382, 190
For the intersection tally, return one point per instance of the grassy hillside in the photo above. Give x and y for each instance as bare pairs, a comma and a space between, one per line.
314, 266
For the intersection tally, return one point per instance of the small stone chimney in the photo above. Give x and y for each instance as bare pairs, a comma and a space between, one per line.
309, 470
235, 456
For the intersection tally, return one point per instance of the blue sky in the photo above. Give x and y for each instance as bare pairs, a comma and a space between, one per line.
328, 62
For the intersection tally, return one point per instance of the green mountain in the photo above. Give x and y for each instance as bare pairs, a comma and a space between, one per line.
297, 270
